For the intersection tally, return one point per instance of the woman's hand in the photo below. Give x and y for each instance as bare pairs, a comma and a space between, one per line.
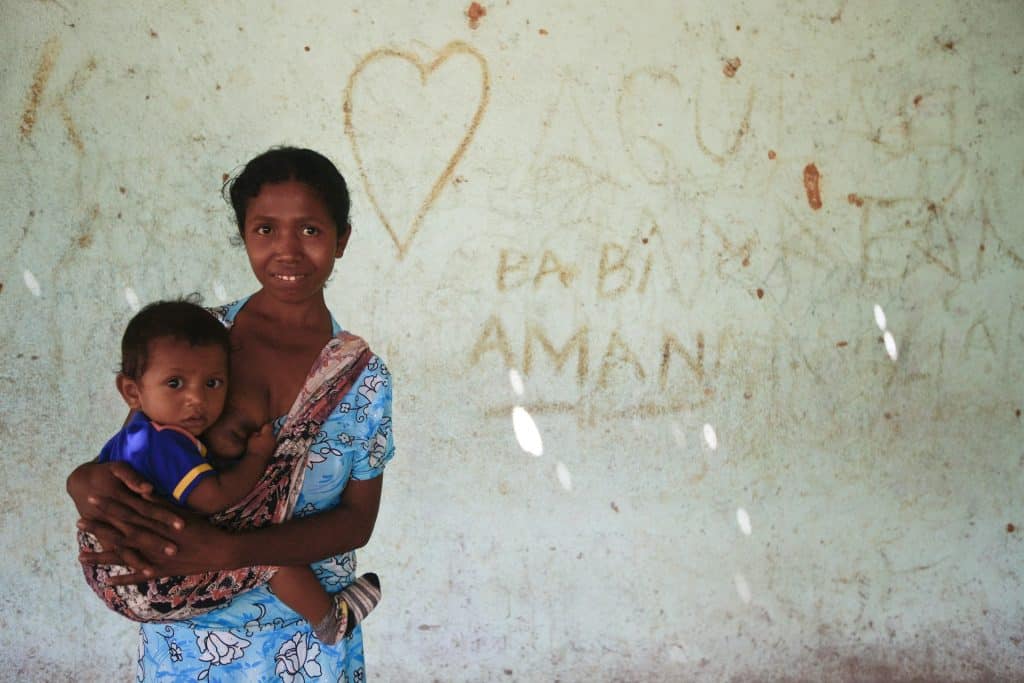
199, 547
118, 506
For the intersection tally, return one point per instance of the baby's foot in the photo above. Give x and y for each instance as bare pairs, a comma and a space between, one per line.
350, 607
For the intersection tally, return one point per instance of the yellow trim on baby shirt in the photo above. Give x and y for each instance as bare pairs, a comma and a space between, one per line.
188, 479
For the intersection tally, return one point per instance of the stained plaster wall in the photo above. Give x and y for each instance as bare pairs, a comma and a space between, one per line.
673, 222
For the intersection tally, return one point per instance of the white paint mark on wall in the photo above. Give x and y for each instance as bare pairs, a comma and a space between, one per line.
526, 431
132, 298
710, 438
743, 519
742, 587
564, 478
677, 654
890, 345
32, 283
220, 292
679, 435
880, 318
516, 380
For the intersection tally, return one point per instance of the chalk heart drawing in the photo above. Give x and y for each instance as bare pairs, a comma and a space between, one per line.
403, 236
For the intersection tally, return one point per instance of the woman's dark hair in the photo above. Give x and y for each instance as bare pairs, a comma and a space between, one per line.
182, 319
281, 164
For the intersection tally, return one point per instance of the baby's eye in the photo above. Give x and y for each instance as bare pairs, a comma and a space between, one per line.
310, 230
174, 383
262, 229
214, 383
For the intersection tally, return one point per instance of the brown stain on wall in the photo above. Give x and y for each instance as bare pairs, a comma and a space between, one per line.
855, 199
47, 60
475, 12
812, 185
838, 16
731, 67
402, 242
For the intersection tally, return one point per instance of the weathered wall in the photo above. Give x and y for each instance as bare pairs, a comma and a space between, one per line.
674, 223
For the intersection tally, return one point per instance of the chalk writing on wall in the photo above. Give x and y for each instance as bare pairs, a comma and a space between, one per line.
35, 100
402, 236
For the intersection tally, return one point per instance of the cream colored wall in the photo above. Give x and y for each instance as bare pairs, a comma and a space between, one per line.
673, 222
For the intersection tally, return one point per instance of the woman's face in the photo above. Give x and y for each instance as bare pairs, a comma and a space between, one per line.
291, 240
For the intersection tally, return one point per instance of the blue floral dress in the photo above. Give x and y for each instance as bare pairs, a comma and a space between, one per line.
257, 637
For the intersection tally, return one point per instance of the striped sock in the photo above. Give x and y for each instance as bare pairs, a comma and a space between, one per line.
362, 596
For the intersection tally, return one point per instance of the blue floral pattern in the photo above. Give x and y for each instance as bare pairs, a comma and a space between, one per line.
257, 637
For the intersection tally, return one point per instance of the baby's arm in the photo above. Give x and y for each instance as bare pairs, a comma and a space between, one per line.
220, 490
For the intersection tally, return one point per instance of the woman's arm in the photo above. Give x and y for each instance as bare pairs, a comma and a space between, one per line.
201, 547
309, 539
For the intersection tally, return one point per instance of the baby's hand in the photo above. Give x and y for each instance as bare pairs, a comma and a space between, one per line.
262, 442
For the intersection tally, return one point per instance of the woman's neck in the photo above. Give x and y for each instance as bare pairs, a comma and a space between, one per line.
311, 314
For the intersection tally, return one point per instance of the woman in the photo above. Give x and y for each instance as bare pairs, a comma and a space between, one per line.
291, 206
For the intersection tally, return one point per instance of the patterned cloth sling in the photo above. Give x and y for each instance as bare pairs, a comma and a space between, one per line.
271, 501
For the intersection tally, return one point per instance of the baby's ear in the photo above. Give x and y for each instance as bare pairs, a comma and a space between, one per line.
129, 390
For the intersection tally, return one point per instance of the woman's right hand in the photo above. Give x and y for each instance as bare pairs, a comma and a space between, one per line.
119, 507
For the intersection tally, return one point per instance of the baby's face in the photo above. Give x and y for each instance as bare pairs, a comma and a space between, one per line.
183, 385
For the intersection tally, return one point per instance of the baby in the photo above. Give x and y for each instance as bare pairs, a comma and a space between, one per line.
174, 374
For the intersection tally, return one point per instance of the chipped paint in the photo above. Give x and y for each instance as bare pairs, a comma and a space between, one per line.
812, 186
474, 13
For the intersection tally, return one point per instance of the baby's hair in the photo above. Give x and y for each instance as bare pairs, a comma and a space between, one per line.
182, 319
281, 164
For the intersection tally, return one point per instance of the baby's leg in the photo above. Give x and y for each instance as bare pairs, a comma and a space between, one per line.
298, 588
332, 616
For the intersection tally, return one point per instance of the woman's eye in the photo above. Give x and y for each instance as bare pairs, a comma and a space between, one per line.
174, 383
214, 383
